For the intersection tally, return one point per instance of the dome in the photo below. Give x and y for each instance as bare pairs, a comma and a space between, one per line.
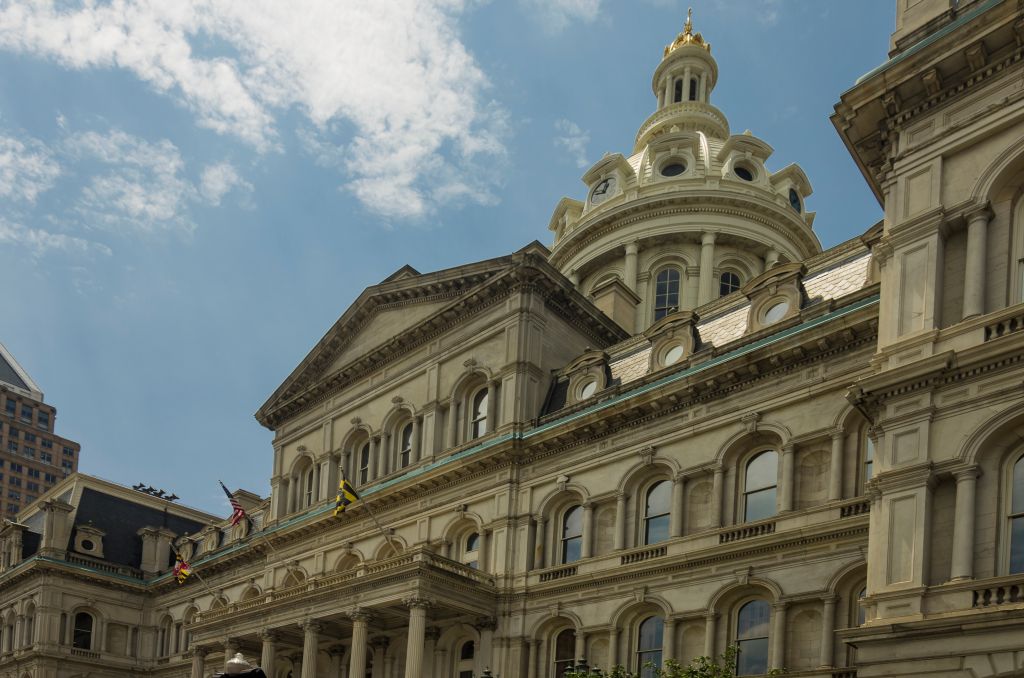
691, 214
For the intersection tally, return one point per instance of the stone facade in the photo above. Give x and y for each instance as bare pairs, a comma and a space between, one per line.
682, 428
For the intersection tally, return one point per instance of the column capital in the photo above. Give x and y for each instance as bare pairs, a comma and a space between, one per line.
830, 598
200, 651
837, 434
708, 238
485, 623
311, 626
270, 635
788, 448
432, 633
710, 616
780, 605
359, 614
633, 247
979, 212
417, 602
968, 473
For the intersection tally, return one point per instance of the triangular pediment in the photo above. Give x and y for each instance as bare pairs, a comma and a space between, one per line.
388, 320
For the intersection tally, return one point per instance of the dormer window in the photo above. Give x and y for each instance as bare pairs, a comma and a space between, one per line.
602, 191
728, 283
744, 172
678, 92
794, 200
666, 293
673, 169
776, 312
693, 89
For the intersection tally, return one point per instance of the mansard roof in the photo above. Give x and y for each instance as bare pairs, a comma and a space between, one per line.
12, 374
443, 299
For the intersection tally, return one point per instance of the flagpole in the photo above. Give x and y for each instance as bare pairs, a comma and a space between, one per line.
376, 522
177, 554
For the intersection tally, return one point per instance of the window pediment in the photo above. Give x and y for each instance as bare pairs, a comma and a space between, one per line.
776, 295
587, 375
673, 339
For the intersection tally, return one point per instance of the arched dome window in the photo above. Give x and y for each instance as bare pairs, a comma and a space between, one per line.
656, 515
794, 200
648, 649
728, 283
478, 425
666, 292
760, 485
471, 555
466, 655
565, 648
693, 89
1017, 518
405, 451
572, 534
752, 638
81, 636
678, 94
364, 463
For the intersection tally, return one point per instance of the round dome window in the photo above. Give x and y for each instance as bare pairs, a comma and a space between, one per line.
776, 312
87, 545
673, 355
588, 389
743, 172
673, 169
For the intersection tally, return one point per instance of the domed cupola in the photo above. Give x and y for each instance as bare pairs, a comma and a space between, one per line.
691, 214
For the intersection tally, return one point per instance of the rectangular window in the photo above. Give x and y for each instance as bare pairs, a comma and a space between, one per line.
14, 482
29, 499
1, 463
29, 452
43, 419
33, 473
49, 478
29, 437
12, 432
12, 508
16, 468
10, 407
26, 413
11, 494
46, 457
69, 452
47, 444
12, 446
67, 464
32, 487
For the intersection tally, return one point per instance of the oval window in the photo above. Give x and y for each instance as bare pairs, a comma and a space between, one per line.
673, 169
588, 389
673, 355
87, 545
743, 172
794, 200
776, 312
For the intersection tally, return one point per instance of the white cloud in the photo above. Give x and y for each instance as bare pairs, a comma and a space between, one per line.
40, 242
556, 15
220, 179
573, 140
409, 96
144, 190
26, 169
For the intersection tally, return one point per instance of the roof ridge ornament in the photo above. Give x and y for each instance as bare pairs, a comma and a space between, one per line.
687, 37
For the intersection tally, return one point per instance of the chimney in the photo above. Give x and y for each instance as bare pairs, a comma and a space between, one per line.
156, 549
56, 528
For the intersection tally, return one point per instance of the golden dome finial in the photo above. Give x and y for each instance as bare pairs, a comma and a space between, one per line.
688, 37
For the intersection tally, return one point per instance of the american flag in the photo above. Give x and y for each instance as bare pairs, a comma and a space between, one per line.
237, 512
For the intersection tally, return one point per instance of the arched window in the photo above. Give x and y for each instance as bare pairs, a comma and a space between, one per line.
572, 534
752, 638
656, 514
466, 655
678, 93
728, 283
478, 425
861, 612
693, 89
405, 452
565, 648
869, 459
309, 493
666, 293
471, 556
1017, 518
81, 637
648, 647
759, 486
364, 463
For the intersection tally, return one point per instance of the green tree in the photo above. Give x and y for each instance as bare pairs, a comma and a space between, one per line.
701, 667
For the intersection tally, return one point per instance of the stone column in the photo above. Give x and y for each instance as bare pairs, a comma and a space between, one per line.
632, 248
835, 467
310, 648
440, 662
269, 656
613, 648
417, 636
198, 662
706, 289
336, 653
580, 648
296, 660
317, 496
974, 264
717, 490
771, 258
686, 83
453, 424
540, 545
380, 646
785, 502
778, 641
620, 521
704, 87
230, 649
962, 567
828, 625
385, 452
710, 622
357, 657
371, 469
417, 433
587, 549
429, 651
669, 81
485, 626
668, 641
533, 658
675, 518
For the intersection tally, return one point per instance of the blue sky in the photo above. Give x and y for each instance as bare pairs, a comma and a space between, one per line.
192, 193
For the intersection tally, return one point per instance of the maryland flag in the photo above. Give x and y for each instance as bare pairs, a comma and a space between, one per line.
346, 495
182, 569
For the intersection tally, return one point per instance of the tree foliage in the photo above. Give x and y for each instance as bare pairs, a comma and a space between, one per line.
701, 667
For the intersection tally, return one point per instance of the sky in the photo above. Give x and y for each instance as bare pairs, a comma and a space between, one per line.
191, 193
